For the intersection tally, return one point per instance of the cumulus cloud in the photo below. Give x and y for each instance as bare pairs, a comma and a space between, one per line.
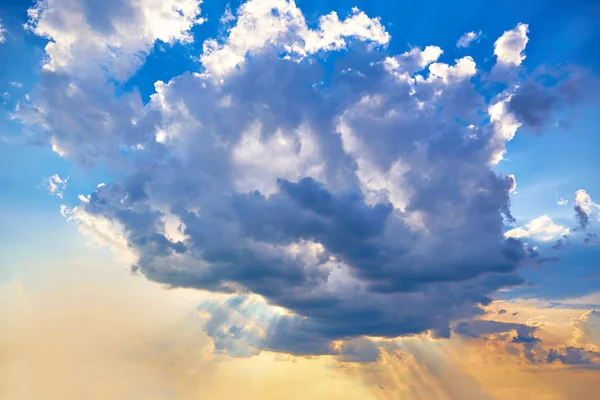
509, 47
117, 34
586, 330
56, 185
562, 202
100, 231
584, 347
281, 24
541, 228
465, 40
320, 202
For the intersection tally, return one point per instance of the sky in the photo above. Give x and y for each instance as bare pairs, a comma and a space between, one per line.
269, 199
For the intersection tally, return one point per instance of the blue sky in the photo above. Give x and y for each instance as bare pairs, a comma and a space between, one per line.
270, 150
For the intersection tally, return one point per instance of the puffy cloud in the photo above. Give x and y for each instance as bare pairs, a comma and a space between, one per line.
541, 228
101, 231
562, 202
414, 60
281, 24
505, 125
509, 47
56, 185
323, 202
584, 347
586, 329
465, 40
117, 34
585, 208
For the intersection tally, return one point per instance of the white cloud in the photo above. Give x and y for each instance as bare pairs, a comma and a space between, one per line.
586, 330
117, 35
258, 161
56, 147
510, 46
541, 228
585, 208
465, 68
100, 231
562, 202
280, 23
16, 84
57, 185
416, 59
2, 32
513, 187
505, 126
465, 40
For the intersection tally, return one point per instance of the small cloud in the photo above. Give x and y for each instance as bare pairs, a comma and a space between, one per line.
584, 208
562, 202
227, 15
56, 185
541, 228
15, 84
465, 40
2, 32
509, 51
510, 46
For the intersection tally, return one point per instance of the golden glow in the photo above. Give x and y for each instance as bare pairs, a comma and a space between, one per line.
89, 330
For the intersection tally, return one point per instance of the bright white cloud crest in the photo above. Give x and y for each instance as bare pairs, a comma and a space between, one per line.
541, 228
253, 176
510, 46
115, 34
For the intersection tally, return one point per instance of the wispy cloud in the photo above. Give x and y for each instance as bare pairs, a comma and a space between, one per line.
465, 40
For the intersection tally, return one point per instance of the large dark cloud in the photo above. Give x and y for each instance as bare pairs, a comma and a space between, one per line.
367, 206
